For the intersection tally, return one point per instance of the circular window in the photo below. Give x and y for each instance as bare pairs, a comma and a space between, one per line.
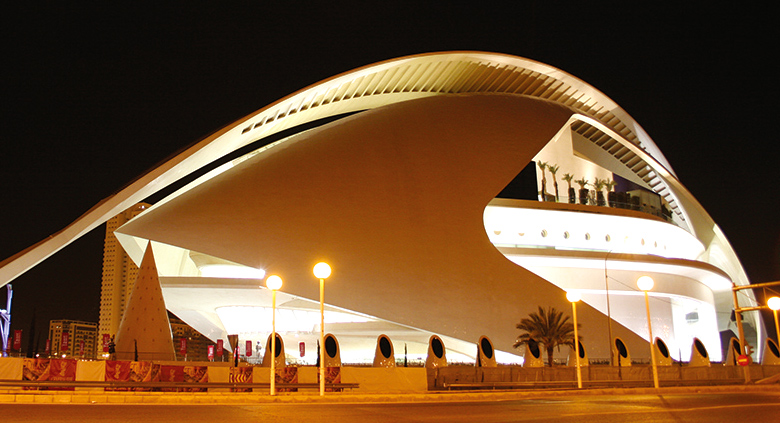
608, 238
587, 236
566, 235
544, 233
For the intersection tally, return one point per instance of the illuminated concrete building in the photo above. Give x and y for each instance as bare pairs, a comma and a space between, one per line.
78, 333
197, 344
422, 191
119, 273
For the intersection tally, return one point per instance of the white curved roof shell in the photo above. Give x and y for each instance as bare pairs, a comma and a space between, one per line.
593, 115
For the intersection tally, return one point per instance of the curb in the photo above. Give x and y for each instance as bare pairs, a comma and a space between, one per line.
235, 398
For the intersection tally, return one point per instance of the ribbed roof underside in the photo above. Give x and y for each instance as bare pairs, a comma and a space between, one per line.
472, 72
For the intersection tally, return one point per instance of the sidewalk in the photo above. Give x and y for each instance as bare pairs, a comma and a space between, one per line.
100, 397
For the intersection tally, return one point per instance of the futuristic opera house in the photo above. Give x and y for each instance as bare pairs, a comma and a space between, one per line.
420, 180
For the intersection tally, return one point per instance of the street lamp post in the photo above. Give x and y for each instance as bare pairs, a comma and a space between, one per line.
573, 297
774, 304
273, 283
321, 272
645, 283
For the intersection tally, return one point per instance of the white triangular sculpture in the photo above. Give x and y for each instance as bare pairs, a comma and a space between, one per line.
437, 354
280, 358
699, 355
571, 360
620, 352
771, 353
332, 351
145, 332
533, 355
384, 355
486, 355
662, 355
733, 352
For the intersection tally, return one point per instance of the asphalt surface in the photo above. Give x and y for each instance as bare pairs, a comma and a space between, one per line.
673, 407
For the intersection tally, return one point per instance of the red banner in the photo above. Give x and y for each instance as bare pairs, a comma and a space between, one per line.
48, 347
18, 339
106, 340
211, 353
302, 348
248, 348
220, 347
62, 370
81, 348
183, 346
64, 341
196, 374
171, 374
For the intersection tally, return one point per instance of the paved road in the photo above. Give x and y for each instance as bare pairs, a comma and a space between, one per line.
740, 407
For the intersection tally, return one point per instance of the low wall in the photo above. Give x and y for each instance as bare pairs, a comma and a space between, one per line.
516, 374
369, 379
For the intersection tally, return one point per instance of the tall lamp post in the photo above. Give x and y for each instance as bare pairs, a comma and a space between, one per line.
273, 283
645, 283
573, 297
321, 272
774, 304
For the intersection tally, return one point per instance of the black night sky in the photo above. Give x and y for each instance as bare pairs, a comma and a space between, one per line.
94, 94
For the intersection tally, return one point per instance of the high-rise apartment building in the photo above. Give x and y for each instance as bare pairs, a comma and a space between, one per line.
80, 341
197, 344
119, 273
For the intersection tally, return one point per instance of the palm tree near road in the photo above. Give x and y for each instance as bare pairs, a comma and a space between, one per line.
548, 327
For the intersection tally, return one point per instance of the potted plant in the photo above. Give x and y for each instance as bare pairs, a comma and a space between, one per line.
611, 195
567, 177
553, 170
598, 185
583, 183
543, 167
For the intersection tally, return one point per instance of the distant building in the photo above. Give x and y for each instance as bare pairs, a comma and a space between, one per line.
78, 333
197, 344
119, 273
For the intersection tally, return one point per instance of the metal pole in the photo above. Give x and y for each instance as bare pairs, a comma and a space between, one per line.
273, 342
577, 344
738, 316
322, 337
609, 313
652, 347
777, 327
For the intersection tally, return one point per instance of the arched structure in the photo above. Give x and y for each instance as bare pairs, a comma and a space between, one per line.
436, 138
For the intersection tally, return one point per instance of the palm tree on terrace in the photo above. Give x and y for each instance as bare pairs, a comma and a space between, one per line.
547, 327
543, 167
553, 170
568, 177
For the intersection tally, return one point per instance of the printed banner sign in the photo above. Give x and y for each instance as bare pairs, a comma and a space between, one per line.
211, 353
64, 341
220, 347
106, 340
18, 339
183, 346
240, 375
171, 374
196, 374
48, 347
248, 348
81, 348
287, 375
